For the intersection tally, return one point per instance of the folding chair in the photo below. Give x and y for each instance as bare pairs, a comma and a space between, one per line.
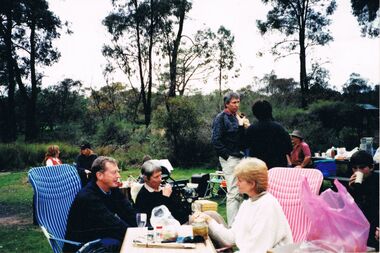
285, 185
55, 188
216, 179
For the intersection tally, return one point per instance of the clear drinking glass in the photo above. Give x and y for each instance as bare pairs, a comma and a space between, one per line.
141, 219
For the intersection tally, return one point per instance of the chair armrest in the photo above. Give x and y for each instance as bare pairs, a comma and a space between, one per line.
92, 247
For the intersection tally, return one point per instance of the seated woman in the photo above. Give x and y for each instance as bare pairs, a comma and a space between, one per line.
260, 223
52, 156
152, 194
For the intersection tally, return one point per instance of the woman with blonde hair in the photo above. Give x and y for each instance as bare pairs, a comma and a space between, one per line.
52, 156
260, 223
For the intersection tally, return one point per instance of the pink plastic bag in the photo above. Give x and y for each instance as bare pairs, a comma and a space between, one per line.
335, 218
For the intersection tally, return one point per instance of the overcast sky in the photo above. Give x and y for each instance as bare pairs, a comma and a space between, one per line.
82, 59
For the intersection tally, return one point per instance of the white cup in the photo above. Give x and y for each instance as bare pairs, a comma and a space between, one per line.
323, 154
316, 154
359, 177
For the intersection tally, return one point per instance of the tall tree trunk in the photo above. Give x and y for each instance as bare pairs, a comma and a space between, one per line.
10, 133
31, 131
221, 105
303, 77
173, 62
148, 109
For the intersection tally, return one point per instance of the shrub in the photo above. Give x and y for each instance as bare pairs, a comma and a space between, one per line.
20, 156
113, 131
184, 132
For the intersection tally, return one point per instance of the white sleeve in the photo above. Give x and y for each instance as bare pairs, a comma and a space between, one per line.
49, 162
263, 232
221, 234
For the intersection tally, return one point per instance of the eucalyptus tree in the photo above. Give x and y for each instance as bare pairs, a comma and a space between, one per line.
195, 59
141, 31
304, 24
368, 16
225, 55
10, 12
27, 30
172, 40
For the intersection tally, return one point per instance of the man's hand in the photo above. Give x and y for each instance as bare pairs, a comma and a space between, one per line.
243, 121
167, 190
246, 122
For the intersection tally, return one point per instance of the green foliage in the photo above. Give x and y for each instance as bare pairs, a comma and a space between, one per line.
185, 131
113, 131
21, 156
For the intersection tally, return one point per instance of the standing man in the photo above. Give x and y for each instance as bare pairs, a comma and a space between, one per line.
300, 156
267, 139
100, 210
227, 138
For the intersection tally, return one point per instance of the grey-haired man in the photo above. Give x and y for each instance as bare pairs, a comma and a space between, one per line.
227, 138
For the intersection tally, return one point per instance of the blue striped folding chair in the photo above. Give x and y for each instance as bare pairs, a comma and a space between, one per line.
55, 188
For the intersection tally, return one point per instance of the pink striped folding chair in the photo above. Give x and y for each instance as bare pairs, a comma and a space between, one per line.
285, 185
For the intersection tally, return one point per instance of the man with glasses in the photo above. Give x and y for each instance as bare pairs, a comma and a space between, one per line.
100, 210
364, 188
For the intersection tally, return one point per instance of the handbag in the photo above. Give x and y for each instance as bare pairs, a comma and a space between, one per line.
336, 220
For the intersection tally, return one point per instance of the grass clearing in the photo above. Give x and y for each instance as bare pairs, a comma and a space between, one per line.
17, 232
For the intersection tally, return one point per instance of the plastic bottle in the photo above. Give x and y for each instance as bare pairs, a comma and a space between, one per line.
150, 235
158, 234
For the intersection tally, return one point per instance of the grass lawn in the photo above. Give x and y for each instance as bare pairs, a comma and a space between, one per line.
17, 232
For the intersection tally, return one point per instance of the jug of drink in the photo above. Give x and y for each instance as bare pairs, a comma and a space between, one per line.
366, 144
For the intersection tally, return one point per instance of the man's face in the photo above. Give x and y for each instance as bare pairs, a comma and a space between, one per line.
233, 105
155, 180
85, 152
295, 140
109, 177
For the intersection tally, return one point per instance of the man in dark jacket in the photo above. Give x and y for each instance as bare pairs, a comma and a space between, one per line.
84, 162
100, 210
228, 140
267, 139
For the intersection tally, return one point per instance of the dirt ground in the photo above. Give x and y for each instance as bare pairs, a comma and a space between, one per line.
11, 216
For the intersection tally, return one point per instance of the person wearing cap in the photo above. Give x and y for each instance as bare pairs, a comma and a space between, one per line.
300, 157
84, 162
228, 133
100, 210
366, 193
267, 139
152, 194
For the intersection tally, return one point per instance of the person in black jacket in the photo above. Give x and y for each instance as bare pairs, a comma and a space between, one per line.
84, 162
267, 139
152, 194
366, 193
100, 210
228, 141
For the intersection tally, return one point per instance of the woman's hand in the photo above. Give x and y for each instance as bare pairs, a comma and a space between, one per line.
167, 190
200, 215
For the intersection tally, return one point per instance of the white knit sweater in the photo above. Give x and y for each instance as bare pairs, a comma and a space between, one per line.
259, 225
